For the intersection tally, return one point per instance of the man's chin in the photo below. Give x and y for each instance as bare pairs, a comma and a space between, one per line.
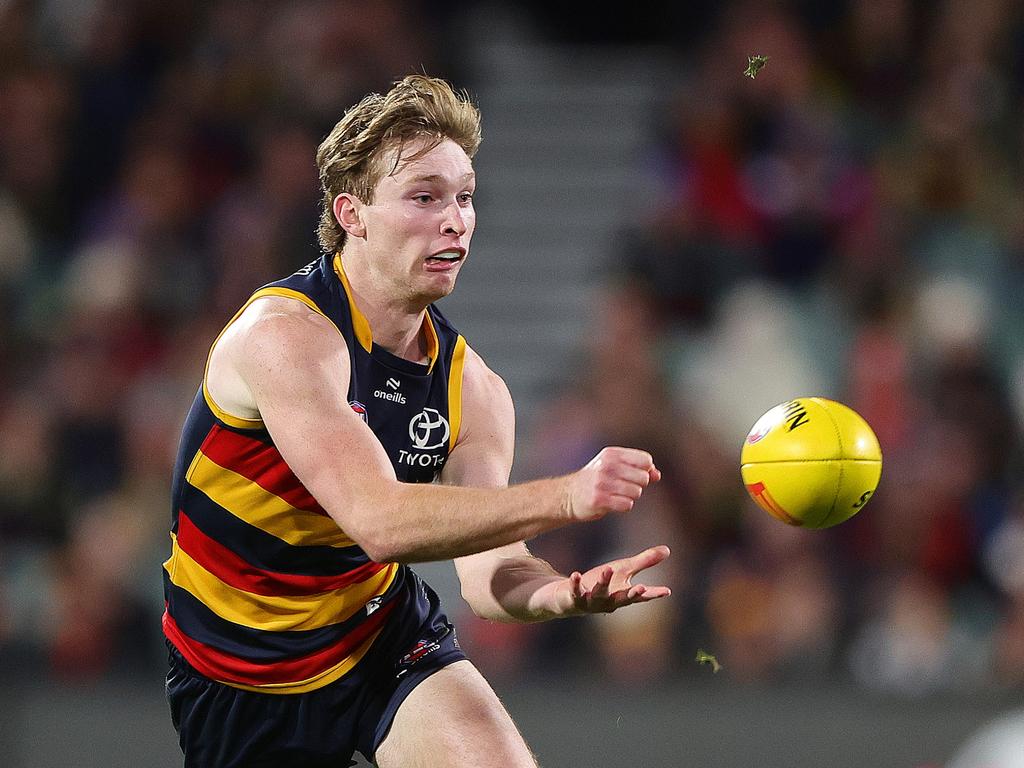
437, 289
434, 293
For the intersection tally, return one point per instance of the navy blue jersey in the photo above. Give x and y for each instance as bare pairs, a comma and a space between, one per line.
264, 591
412, 408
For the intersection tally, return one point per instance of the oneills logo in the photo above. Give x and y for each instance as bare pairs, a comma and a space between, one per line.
394, 396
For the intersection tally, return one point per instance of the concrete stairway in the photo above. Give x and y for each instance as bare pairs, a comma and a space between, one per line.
559, 176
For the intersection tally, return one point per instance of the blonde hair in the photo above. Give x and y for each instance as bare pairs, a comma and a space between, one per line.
349, 159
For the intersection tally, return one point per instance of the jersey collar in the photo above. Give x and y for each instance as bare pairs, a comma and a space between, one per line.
361, 326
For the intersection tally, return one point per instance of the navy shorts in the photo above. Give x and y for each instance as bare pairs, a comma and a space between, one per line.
224, 727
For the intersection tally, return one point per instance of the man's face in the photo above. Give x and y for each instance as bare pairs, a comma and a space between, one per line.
421, 220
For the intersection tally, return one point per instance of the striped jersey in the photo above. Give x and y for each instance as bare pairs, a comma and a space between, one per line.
264, 591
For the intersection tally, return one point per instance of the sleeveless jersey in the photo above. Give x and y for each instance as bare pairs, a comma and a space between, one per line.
263, 589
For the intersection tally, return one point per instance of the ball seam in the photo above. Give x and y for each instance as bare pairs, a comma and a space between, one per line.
842, 452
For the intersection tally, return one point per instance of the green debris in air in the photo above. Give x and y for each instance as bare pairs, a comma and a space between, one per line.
703, 657
754, 65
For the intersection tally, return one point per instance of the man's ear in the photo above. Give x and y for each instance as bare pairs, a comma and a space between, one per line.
348, 211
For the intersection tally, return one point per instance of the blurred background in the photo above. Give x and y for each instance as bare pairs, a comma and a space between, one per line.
666, 249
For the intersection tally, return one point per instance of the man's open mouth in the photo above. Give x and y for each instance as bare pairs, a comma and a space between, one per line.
445, 256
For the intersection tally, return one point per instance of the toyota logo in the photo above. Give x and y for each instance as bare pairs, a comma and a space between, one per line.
429, 429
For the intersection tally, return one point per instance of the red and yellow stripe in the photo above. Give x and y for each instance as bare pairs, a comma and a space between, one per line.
251, 480
305, 673
233, 569
274, 613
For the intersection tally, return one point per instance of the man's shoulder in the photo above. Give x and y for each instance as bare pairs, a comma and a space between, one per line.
488, 413
481, 383
275, 324
273, 309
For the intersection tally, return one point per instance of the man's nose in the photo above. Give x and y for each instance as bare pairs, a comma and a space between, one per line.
454, 222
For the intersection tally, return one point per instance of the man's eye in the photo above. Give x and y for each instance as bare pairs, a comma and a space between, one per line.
466, 197
423, 198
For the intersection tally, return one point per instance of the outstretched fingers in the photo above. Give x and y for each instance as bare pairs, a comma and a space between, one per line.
641, 593
598, 592
576, 586
630, 566
646, 559
608, 587
601, 586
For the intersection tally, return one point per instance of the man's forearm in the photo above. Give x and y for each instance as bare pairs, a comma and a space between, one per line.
421, 523
520, 588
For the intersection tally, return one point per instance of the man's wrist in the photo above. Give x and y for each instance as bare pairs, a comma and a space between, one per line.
567, 511
556, 600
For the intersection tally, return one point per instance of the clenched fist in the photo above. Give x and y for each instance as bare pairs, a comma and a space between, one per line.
611, 482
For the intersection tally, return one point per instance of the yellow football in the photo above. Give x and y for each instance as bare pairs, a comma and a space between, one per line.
811, 462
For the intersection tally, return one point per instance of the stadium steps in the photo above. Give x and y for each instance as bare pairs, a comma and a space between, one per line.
564, 132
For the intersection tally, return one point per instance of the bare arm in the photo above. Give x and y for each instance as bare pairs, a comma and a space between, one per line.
508, 583
290, 366
497, 583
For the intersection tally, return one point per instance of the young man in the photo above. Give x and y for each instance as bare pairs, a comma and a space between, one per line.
297, 632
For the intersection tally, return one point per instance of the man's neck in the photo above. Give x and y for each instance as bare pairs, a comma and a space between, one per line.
395, 324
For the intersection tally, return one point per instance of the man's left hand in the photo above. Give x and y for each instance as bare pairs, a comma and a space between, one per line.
608, 587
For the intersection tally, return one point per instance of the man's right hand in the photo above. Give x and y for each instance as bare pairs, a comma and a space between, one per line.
611, 482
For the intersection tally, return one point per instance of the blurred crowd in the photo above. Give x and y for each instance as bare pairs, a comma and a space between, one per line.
850, 223
156, 166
